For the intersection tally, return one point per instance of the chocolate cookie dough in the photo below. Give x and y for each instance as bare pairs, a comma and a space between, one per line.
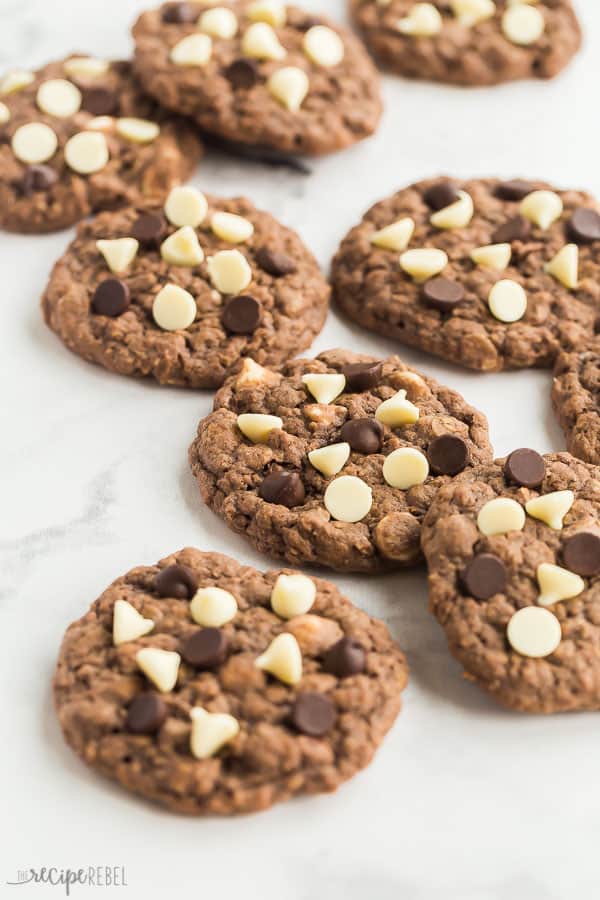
470, 42
513, 551
575, 396
183, 293
212, 688
260, 73
80, 136
334, 460
488, 274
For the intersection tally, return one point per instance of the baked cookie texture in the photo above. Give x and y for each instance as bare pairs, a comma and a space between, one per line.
281, 78
488, 274
470, 42
79, 136
191, 302
392, 437
575, 392
516, 587
270, 739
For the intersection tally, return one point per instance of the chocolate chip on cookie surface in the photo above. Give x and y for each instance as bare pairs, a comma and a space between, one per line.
470, 42
260, 73
576, 399
334, 460
250, 690
513, 579
180, 293
79, 136
487, 274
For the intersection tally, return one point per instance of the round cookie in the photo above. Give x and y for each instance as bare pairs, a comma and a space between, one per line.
470, 42
260, 73
334, 460
79, 136
575, 392
488, 274
183, 293
212, 688
513, 552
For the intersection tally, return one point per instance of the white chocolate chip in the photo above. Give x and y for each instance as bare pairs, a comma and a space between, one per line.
500, 516
324, 387
219, 22
261, 42
542, 208
34, 143
423, 20
210, 732
100, 123
87, 152
4, 114
193, 50
395, 236
523, 24
270, 11
173, 308
507, 301
128, 623
252, 373
293, 595
348, 499
457, 215
470, 12
186, 206
397, 411
557, 584
232, 228
551, 508
283, 659
229, 271
323, 46
423, 263
159, 666
86, 67
138, 131
182, 248
565, 266
492, 256
213, 607
118, 253
331, 459
534, 632
59, 98
257, 427
289, 86
405, 467
15, 81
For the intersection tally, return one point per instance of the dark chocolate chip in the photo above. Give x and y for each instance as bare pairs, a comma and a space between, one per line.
146, 713
584, 227
37, 178
517, 229
176, 581
525, 467
179, 13
484, 576
442, 294
309, 22
313, 714
441, 194
346, 657
241, 315
514, 190
362, 376
205, 648
242, 74
111, 298
99, 101
448, 454
581, 553
363, 435
275, 263
284, 488
149, 229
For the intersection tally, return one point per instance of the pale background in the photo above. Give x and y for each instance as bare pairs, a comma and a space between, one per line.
464, 801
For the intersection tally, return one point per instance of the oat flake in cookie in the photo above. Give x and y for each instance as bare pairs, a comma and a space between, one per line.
575, 396
334, 460
260, 73
79, 136
470, 42
212, 688
488, 274
513, 552
182, 293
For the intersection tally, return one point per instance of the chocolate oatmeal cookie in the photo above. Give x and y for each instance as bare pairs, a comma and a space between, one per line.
576, 400
513, 552
212, 688
260, 73
80, 136
470, 42
183, 293
334, 460
488, 274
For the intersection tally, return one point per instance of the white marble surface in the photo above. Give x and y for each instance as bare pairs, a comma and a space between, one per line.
464, 801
